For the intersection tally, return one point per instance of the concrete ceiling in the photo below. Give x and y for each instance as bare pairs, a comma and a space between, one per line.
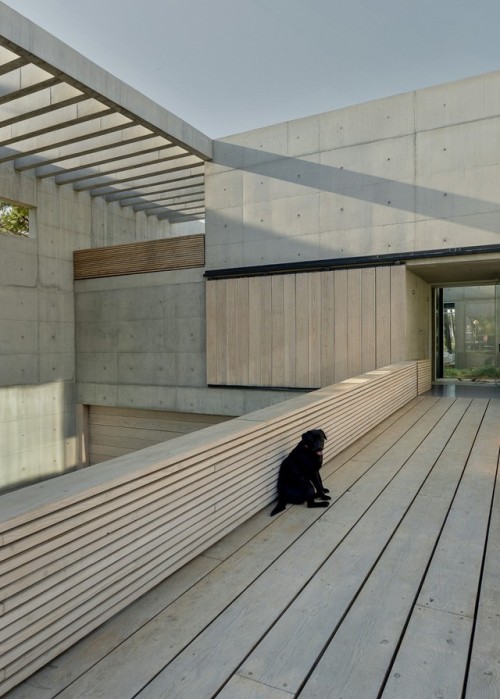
63, 117
442, 271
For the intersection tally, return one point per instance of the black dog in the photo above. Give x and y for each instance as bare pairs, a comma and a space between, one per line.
299, 480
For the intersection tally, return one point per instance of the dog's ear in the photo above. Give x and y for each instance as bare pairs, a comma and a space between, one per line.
324, 435
306, 436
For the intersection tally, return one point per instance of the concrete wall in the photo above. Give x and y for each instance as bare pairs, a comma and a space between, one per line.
413, 172
38, 435
141, 344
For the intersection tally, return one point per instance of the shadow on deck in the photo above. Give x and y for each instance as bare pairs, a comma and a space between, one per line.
391, 592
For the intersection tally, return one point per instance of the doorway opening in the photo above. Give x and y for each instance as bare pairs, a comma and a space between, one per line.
467, 333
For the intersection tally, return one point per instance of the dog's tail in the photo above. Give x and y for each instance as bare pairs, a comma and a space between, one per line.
280, 506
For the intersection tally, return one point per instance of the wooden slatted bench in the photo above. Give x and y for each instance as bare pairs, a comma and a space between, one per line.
77, 549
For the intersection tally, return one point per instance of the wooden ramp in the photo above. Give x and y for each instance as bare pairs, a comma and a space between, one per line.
391, 592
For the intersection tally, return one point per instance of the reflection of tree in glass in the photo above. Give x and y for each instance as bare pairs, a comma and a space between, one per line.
483, 328
14, 218
449, 330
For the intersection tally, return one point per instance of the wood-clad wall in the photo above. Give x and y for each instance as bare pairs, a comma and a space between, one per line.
118, 431
305, 330
137, 258
76, 549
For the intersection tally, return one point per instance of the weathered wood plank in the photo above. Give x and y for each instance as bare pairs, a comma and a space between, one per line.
368, 328
315, 330
354, 319
363, 647
302, 329
138, 258
278, 330
483, 680
328, 329
254, 335
243, 331
232, 635
439, 632
143, 519
341, 313
289, 333
245, 688
374, 507
343, 482
233, 322
383, 315
435, 667
266, 330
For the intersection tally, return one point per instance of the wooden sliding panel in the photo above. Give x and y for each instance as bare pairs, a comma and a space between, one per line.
354, 322
305, 330
368, 330
139, 258
290, 330
254, 341
266, 336
341, 313
327, 329
302, 329
278, 330
222, 331
232, 331
383, 315
242, 330
315, 330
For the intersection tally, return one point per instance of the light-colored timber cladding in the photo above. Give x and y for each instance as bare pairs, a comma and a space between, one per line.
304, 330
138, 258
118, 431
77, 549
424, 374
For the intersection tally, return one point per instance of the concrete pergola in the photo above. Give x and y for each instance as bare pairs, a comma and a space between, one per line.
62, 116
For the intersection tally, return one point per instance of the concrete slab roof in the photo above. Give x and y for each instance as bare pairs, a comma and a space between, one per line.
63, 116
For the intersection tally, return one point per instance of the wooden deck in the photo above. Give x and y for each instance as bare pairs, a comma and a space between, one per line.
391, 592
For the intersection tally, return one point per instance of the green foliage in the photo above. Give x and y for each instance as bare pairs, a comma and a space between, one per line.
14, 218
485, 372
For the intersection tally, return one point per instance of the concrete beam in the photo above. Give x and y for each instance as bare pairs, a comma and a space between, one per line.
41, 48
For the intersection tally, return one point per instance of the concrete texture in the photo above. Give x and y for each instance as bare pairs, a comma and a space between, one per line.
38, 434
140, 342
403, 174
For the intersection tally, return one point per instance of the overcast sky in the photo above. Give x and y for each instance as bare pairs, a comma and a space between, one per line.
227, 66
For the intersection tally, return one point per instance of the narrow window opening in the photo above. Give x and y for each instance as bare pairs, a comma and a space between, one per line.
14, 218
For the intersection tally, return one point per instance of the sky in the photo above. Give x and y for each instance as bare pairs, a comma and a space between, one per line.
228, 66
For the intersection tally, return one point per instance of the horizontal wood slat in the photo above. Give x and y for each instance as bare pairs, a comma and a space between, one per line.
424, 373
118, 431
139, 258
76, 549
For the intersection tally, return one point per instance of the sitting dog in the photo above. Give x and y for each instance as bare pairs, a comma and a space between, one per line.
299, 480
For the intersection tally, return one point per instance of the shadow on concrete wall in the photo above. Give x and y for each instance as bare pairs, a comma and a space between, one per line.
424, 202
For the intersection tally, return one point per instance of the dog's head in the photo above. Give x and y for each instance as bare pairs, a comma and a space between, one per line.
314, 440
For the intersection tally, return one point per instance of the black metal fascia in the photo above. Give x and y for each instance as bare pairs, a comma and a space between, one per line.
347, 262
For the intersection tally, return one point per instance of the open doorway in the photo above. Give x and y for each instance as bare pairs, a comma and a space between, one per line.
466, 333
